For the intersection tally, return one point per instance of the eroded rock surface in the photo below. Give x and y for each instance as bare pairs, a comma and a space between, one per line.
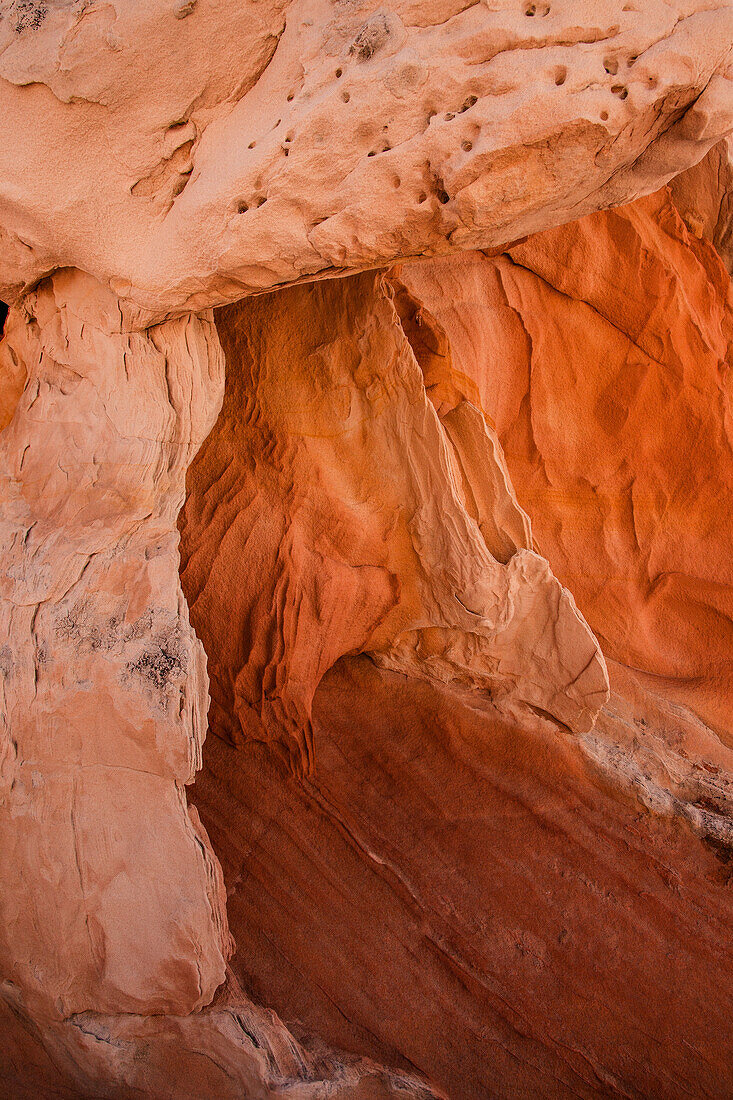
189, 153
602, 353
113, 926
456, 859
541, 899
460, 891
702, 195
104, 682
334, 510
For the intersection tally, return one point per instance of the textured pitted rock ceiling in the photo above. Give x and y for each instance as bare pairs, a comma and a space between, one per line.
188, 153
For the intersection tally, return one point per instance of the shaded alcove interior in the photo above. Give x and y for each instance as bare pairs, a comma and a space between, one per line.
463, 896
458, 890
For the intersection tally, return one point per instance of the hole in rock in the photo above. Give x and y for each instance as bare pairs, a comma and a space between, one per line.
561, 74
12, 376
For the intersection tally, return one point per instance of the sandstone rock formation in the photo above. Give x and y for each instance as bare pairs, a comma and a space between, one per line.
702, 197
474, 835
507, 882
188, 153
334, 510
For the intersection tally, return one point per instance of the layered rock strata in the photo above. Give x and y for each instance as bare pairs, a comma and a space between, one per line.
513, 872
458, 858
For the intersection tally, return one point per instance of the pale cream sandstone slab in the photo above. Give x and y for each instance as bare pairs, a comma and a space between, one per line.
189, 154
112, 898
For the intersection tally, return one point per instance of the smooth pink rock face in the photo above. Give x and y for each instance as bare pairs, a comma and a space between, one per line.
105, 685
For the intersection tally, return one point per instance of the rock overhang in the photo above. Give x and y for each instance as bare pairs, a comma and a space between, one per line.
268, 144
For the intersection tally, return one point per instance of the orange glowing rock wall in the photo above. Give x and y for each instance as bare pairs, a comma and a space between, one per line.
459, 883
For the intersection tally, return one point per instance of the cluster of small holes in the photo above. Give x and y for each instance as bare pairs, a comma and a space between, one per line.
450, 115
243, 207
537, 9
